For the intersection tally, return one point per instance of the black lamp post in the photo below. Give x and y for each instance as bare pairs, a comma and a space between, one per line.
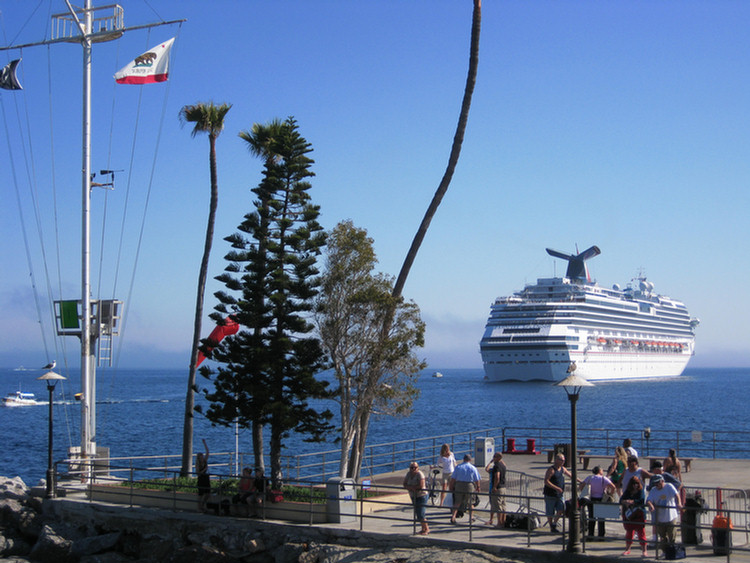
572, 385
51, 378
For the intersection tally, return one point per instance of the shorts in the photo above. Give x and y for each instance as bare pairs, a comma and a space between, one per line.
553, 505
462, 494
497, 500
445, 479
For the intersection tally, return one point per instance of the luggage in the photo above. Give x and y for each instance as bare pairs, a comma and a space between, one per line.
721, 529
674, 551
521, 521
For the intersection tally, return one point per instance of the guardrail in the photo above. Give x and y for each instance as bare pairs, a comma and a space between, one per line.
392, 456
384, 507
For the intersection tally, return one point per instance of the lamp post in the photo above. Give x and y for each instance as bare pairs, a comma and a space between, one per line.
51, 378
572, 385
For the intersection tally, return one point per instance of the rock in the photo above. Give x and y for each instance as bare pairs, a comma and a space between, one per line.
52, 548
13, 544
9, 511
30, 523
289, 552
201, 554
96, 544
13, 488
111, 557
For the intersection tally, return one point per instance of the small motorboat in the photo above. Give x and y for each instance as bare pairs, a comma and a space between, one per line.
437, 374
19, 399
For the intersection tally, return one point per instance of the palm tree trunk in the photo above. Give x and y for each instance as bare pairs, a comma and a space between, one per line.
455, 151
187, 432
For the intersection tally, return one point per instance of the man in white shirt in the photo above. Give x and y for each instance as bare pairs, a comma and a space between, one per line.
664, 501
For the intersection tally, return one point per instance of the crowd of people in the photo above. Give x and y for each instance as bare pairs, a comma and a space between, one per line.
638, 491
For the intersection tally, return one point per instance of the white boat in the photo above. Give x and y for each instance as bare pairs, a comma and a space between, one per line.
560, 324
437, 374
19, 399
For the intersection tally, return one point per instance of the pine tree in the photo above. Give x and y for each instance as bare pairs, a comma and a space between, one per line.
268, 369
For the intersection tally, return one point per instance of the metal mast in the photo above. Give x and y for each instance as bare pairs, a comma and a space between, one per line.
88, 319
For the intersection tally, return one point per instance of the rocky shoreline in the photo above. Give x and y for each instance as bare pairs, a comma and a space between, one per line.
71, 531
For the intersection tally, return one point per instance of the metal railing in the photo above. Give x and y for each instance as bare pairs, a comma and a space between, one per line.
389, 506
393, 456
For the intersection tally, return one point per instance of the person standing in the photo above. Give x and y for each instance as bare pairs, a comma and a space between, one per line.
633, 470
496, 470
414, 482
634, 514
598, 485
464, 483
204, 479
627, 445
554, 487
447, 463
664, 501
617, 467
673, 465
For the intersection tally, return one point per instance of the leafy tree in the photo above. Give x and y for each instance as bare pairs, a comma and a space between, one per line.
374, 375
267, 373
208, 118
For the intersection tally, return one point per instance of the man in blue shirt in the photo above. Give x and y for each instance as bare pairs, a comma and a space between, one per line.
465, 481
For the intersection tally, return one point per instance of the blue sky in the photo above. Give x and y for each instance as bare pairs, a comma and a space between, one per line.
620, 124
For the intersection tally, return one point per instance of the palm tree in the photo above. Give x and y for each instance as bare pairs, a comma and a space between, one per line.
455, 151
361, 437
208, 118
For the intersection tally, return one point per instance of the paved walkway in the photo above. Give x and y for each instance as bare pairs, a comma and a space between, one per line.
729, 474
395, 525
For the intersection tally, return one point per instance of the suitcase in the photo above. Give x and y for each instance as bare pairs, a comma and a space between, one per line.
674, 551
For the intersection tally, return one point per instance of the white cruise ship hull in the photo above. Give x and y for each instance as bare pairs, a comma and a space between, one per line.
548, 328
592, 367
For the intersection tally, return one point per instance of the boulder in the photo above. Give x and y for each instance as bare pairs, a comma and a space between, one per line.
52, 548
12, 544
95, 544
13, 488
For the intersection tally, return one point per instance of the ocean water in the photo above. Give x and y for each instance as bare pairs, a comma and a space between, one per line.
140, 412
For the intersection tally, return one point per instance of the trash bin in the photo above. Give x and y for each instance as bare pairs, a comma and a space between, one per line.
341, 500
484, 450
564, 449
695, 505
721, 535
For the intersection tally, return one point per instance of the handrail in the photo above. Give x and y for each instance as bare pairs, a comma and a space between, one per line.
523, 495
391, 456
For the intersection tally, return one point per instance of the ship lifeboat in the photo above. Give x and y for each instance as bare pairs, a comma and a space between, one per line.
602, 341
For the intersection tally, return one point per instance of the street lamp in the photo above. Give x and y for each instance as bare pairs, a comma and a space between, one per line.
51, 378
572, 385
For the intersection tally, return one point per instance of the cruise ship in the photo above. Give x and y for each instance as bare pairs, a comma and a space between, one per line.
558, 325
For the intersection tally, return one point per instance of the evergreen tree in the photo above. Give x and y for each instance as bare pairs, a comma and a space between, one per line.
267, 373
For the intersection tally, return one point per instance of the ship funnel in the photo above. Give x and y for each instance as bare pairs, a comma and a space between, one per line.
577, 269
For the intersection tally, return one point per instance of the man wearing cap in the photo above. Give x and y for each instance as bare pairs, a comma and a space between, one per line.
464, 483
664, 501
657, 468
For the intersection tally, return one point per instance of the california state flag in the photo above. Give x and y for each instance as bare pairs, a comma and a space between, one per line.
148, 68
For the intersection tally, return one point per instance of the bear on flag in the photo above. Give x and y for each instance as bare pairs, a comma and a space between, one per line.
148, 68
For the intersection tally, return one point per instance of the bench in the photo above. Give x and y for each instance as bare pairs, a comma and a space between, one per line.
586, 459
551, 455
686, 461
